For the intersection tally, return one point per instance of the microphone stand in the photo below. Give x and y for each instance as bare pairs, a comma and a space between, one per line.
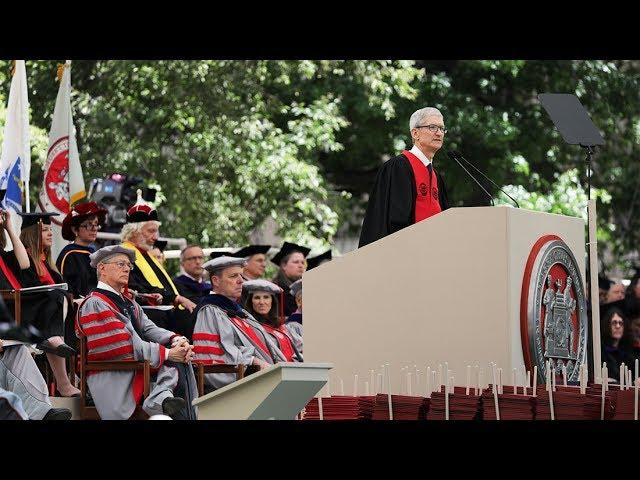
492, 182
453, 157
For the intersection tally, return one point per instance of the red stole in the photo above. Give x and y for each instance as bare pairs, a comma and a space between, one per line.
249, 332
45, 278
284, 342
13, 281
427, 200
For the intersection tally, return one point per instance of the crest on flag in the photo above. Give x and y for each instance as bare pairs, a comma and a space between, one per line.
56, 180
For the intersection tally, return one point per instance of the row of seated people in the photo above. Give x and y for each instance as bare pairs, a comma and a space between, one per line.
117, 328
150, 283
49, 311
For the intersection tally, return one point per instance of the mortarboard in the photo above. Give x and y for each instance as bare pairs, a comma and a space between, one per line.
160, 245
31, 219
216, 254
313, 262
252, 250
288, 248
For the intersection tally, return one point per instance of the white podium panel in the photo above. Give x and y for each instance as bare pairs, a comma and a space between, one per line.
276, 393
447, 289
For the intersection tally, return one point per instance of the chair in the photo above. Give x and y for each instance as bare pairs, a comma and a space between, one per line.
88, 412
15, 296
202, 369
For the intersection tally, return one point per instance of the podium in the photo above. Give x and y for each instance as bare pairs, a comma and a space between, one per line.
447, 289
279, 392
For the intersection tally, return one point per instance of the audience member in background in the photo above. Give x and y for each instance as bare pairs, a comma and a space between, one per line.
54, 310
80, 227
634, 329
291, 260
632, 295
616, 341
603, 288
117, 328
616, 292
190, 282
149, 278
256, 256
260, 299
224, 331
294, 321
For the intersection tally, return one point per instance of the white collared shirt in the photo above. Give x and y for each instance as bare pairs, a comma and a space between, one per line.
418, 153
109, 288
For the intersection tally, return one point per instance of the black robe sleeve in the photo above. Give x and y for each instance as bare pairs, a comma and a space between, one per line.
72, 273
443, 198
391, 203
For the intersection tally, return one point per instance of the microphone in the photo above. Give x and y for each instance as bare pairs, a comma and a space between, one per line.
459, 155
452, 155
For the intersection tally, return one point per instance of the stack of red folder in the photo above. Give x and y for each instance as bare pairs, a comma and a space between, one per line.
624, 404
512, 406
593, 405
404, 407
461, 406
340, 407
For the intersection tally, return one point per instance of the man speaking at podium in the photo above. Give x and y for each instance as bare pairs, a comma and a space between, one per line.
407, 188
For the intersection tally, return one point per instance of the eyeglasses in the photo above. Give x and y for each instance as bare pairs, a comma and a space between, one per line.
433, 128
198, 257
617, 322
121, 265
91, 226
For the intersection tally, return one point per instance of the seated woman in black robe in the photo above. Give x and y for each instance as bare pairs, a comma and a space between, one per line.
47, 311
291, 262
81, 228
259, 298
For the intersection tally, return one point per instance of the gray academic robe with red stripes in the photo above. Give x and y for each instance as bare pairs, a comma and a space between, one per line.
111, 336
220, 338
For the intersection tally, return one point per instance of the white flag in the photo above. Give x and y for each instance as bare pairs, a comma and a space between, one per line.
15, 162
63, 183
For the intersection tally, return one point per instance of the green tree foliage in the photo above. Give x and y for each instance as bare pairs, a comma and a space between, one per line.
232, 143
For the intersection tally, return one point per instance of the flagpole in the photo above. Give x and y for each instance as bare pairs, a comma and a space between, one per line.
26, 197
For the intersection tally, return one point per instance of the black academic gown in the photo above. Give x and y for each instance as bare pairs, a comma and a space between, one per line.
74, 265
614, 357
191, 289
392, 202
290, 304
43, 310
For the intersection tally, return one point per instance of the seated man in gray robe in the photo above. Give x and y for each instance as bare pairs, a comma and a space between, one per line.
117, 328
226, 333
20, 376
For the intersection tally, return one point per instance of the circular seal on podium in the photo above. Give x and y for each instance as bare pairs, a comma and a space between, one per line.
553, 309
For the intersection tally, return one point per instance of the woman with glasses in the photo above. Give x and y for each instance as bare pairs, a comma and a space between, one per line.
616, 341
80, 227
407, 188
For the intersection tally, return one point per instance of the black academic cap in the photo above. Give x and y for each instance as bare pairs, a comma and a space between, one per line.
288, 248
251, 250
31, 219
215, 254
604, 283
315, 261
3, 192
160, 245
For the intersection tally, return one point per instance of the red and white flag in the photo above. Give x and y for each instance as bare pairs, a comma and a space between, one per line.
63, 184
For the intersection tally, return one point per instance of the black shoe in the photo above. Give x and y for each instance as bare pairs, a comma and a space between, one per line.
63, 350
58, 414
172, 405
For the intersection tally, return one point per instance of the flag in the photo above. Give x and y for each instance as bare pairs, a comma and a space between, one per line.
63, 184
15, 162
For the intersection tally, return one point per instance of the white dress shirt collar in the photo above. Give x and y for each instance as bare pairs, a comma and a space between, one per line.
418, 153
109, 288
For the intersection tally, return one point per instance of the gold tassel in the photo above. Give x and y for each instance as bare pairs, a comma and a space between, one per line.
61, 67
13, 68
